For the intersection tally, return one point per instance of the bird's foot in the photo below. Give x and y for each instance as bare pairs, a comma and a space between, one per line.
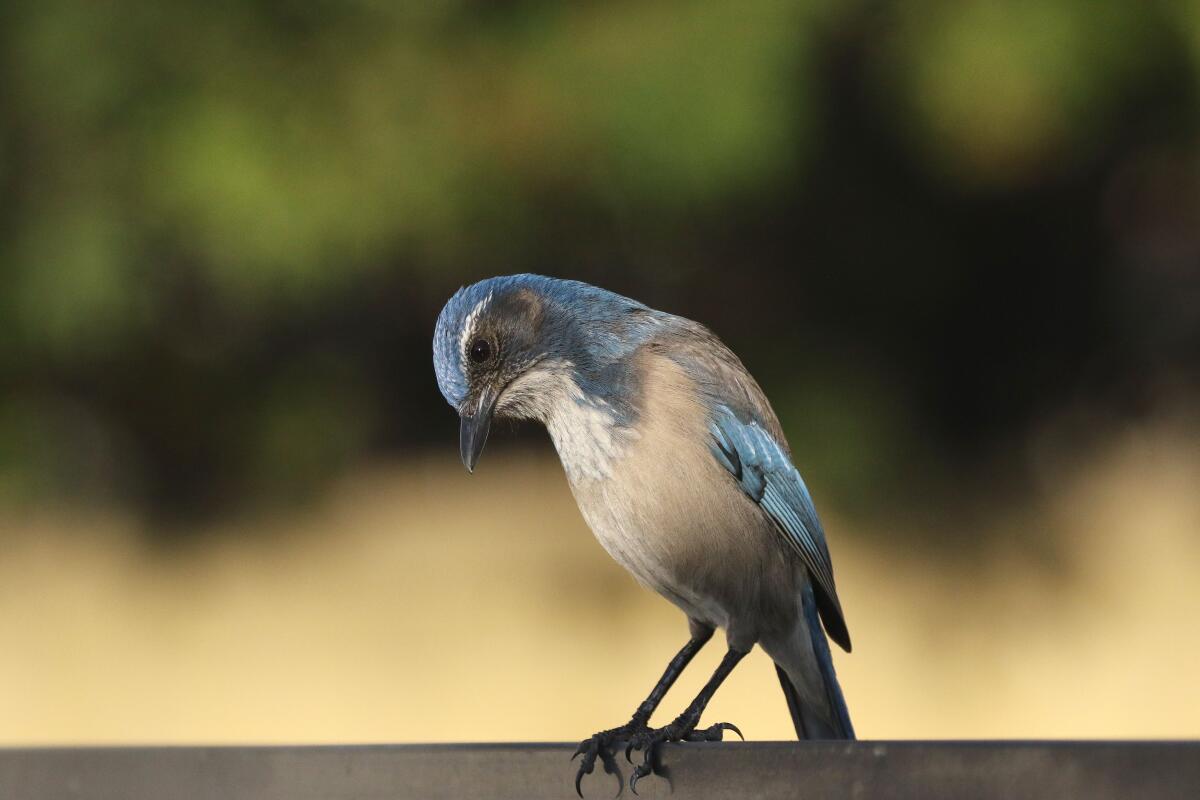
683, 729
602, 745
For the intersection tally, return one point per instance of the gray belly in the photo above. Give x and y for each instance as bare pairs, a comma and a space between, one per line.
653, 551
696, 539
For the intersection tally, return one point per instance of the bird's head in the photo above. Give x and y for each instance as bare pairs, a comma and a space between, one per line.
514, 346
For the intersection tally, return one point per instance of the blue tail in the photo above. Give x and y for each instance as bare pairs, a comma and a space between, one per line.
811, 723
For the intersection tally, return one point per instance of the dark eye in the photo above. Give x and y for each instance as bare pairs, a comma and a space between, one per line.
480, 351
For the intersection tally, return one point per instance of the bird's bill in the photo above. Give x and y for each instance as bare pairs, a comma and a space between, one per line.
473, 429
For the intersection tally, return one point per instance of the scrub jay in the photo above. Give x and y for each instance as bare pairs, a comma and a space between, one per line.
680, 468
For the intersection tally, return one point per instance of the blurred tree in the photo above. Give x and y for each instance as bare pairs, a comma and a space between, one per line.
226, 228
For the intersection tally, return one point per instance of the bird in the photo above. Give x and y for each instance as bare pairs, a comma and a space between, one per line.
679, 466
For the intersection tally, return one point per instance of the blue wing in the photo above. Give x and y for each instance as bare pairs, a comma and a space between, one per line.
766, 474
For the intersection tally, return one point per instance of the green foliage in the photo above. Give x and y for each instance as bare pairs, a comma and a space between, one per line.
181, 179
996, 92
287, 152
669, 106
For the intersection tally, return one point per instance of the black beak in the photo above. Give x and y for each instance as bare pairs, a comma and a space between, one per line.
473, 429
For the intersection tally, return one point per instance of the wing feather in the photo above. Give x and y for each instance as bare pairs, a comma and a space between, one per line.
748, 441
766, 474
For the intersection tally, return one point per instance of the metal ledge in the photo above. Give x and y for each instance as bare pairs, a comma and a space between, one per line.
917, 770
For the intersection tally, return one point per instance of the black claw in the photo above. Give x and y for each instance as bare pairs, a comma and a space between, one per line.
639, 772
585, 768
601, 746
651, 743
610, 766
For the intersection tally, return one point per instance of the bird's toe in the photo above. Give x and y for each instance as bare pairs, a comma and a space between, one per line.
714, 733
603, 746
649, 743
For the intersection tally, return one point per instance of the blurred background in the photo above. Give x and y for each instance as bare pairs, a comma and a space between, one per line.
958, 244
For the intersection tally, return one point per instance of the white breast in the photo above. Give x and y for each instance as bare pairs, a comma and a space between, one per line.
588, 439
584, 429
637, 489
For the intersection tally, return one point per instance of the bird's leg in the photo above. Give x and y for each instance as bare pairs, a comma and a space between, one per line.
601, 745
683, 729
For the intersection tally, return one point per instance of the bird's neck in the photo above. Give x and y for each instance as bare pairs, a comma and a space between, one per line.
590, 431
589, 439
585, 390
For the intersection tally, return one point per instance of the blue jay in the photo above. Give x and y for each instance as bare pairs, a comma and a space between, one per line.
681, 470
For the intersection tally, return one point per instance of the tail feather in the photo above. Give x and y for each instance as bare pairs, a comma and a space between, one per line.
809, 722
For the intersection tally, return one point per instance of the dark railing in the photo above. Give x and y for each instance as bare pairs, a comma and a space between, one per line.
894, 770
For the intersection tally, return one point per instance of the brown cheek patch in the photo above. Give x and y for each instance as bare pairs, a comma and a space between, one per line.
531, 304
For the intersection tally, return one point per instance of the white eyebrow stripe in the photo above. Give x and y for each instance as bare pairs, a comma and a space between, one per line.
468, 327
